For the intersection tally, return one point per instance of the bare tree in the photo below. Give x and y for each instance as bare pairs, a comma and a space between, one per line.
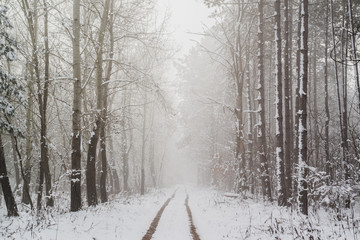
91, 158
262, 148
302, 128
76, 124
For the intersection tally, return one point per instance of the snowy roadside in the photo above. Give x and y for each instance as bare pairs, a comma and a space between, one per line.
124, 218
218, 218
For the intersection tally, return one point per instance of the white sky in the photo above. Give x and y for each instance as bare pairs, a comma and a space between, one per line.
186, 16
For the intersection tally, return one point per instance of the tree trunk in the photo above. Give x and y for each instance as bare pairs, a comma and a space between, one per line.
15, 159
328, 165
91, 159
43, 98
75, 204
142, 177
5, 184
302, 128
262, 148
280, 168
353, 46
124, 144
28, 145
315, 108
288, 140
337, 84
103, 174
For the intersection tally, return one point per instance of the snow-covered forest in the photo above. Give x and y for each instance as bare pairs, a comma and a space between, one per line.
193, 119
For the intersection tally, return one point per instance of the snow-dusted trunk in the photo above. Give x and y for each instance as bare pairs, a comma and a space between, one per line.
250, 140
302, 128
124, 143
262, 147
28, 144
238, 75
105, 86
16, 163
344, 54
142, 176
315, 107
152, 147
297, 104
5, 185
353, 46
339, 97
328, 166
288, 136
75, 204
43, 99
279, 150
91, 158
15, 158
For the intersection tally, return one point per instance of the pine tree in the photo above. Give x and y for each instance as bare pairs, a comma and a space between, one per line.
10, 94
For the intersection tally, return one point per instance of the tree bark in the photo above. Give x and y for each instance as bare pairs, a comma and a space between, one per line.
288, 139
280, 166
5, 184
302, 128
142, 177
91, 158
262, 148
104, 165
28, 144
75, 204
328, 165
43, 94
353, 46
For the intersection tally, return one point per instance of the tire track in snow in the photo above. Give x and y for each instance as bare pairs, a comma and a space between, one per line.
192, 226
150, 232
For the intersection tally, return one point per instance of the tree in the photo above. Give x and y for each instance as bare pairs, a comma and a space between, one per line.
10, 91
76, 122
91, 158
280, 168
328, 166
288, 138
262, 148
42, 96
302, 128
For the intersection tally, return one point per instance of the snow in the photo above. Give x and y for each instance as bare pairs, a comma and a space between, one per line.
174, 223
216, 216
126, 217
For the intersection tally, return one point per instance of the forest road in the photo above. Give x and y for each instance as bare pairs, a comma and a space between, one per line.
174, 220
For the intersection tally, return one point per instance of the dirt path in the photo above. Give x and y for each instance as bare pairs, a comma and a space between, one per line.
176, 223
150, 232
192, 226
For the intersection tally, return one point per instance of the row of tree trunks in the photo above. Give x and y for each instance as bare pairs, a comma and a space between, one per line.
91, 158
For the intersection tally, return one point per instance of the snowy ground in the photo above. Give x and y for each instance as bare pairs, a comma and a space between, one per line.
125, 218
174, 223
215, 216
218, 218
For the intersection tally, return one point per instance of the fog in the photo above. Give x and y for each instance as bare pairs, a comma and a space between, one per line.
234, 118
